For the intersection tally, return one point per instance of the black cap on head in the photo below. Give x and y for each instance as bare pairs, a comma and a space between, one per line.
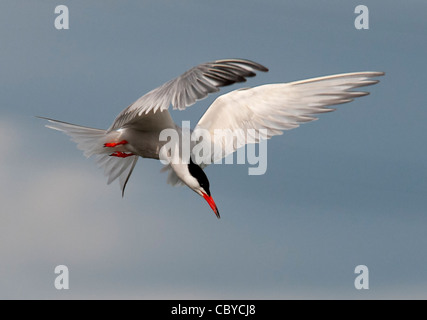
200, 176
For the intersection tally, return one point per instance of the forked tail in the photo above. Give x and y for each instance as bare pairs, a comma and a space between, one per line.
91, 141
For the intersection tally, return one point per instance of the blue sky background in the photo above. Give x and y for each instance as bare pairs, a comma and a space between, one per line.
346, 190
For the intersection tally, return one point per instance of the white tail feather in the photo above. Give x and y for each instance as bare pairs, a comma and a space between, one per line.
117, 168
91, 141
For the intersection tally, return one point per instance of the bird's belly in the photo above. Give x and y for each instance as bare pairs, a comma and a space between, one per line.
143, 143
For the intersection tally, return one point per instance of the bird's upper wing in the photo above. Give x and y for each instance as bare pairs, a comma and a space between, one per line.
277, 107
193, 85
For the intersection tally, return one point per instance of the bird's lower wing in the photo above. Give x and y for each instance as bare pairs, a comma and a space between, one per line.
248, 115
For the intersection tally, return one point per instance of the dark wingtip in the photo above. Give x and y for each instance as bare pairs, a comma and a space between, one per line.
257, 66
247, 62
263, 69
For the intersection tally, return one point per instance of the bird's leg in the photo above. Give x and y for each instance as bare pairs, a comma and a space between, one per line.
115, 144
120, 154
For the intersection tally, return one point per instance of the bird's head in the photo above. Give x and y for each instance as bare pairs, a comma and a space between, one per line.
201, 185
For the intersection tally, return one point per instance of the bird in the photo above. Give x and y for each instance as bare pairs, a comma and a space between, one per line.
269, 108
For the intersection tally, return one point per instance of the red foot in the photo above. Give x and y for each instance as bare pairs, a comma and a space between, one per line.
121, 154
115, 144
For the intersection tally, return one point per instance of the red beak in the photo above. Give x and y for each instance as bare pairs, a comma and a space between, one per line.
212, 204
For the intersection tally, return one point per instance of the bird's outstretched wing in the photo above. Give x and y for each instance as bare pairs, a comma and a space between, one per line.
276, 107
193, 85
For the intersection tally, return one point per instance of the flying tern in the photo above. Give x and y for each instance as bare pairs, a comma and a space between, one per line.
270, 107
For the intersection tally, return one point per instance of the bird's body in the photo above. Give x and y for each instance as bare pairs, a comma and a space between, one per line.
143, 137
273, 108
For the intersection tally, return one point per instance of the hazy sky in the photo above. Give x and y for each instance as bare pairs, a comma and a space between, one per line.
347, 190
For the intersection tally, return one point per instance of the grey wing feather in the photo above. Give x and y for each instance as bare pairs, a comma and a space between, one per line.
193, 85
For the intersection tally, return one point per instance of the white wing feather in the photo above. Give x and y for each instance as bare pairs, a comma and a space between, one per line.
278, 107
